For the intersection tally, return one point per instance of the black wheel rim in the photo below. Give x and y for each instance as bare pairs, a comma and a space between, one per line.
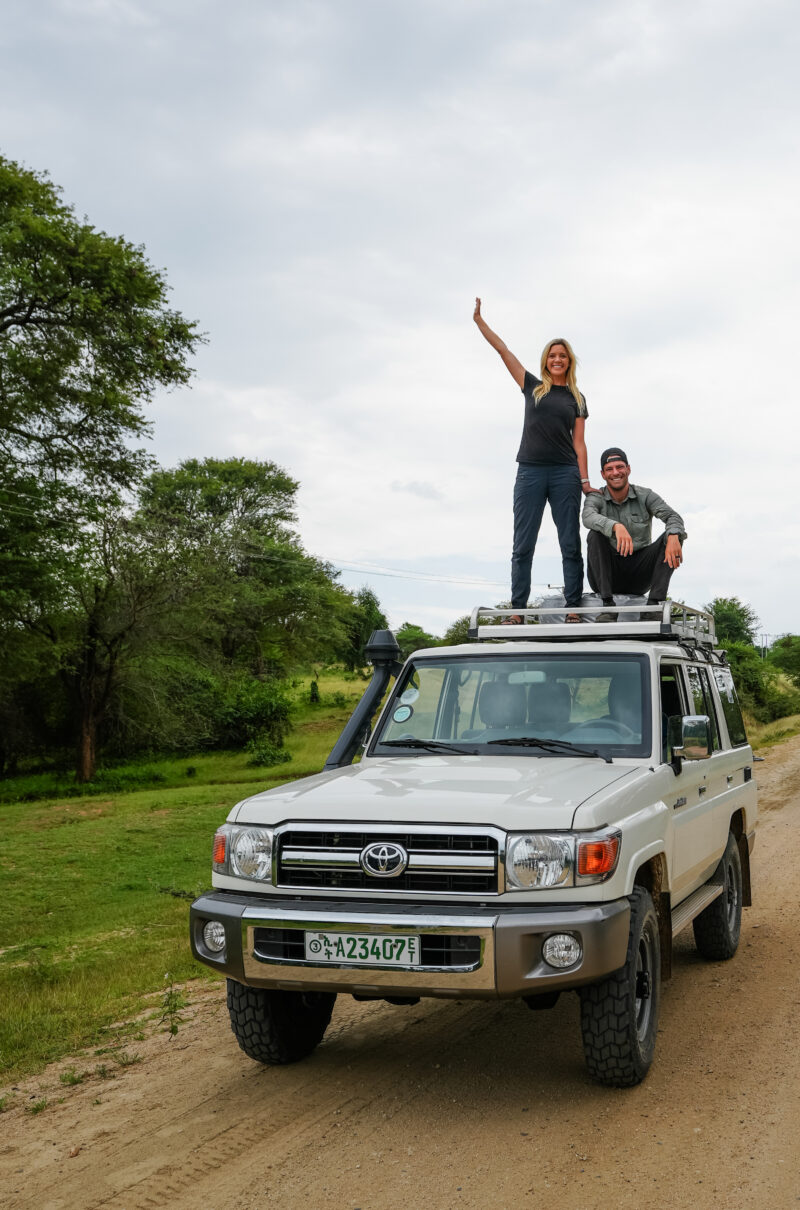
645, 975
731, 896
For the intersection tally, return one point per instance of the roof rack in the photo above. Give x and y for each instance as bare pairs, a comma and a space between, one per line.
666, 622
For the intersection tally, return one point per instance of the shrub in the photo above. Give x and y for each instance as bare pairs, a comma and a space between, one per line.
264, 752
762, 691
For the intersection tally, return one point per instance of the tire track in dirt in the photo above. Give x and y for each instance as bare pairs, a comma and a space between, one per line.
303, 1104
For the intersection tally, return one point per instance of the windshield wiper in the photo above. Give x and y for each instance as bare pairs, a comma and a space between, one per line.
430, 745
552, 745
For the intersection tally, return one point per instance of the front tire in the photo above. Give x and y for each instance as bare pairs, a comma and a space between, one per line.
619, 1014
277, 1027
718, 928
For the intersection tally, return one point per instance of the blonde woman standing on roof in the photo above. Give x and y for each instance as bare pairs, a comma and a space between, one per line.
552, 463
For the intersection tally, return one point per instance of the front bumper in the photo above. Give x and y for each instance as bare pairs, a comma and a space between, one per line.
502, 947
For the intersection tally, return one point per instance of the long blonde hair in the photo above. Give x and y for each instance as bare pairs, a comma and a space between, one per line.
546, 383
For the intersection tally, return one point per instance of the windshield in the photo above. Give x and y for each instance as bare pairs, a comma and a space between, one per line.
482, 704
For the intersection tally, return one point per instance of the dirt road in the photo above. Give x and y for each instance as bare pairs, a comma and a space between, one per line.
456, 1105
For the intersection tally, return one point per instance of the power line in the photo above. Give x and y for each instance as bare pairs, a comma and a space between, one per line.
343, 565
409, 574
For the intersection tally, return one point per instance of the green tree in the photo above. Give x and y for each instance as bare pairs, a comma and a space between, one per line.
413, 638
275, 605
785, 654
758, 684
735, 621
457, 632
365, 616
119, 594
86, 337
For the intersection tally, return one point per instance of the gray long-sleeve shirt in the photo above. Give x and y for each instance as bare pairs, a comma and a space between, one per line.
635, 512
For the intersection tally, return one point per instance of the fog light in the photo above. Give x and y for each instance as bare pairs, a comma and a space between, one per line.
214, 936
562, 950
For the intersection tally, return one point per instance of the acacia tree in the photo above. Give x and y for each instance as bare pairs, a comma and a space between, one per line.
116, 593
276, 605
785, 654
736, 622
365, 617
86, 338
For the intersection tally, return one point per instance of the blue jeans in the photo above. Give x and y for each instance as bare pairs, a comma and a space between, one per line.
535, 485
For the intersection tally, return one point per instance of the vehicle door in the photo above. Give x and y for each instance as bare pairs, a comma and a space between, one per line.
712, 785
685, 791
739, 790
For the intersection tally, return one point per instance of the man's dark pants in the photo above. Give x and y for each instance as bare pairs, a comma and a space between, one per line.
610, 573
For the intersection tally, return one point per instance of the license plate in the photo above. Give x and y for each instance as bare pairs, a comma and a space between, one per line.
361, 949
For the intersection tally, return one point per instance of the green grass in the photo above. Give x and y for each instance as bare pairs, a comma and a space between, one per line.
765, 735
96, 890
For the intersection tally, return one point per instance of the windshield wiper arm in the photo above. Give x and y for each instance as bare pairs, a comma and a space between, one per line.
552, 745
429, 745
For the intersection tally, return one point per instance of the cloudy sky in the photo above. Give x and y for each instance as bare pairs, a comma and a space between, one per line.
329, 183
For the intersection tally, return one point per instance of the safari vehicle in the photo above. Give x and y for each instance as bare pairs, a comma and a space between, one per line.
539, 810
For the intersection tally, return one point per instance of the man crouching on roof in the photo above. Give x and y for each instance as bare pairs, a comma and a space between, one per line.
621, 556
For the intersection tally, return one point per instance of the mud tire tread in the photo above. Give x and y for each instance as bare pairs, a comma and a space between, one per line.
715, 934
278, 1027
615, 1054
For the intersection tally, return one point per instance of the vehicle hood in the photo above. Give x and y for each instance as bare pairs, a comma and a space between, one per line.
509, 791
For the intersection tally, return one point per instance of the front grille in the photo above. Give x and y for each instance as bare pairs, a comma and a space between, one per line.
441, 863
279, 945
436, 949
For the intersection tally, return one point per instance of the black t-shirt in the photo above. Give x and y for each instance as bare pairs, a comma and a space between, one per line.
547, 431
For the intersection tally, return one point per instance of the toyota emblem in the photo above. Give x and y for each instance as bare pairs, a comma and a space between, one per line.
382, 860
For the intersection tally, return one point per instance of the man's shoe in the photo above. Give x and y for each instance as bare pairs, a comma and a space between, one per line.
515, 620
651, 617
607, 615
573, 617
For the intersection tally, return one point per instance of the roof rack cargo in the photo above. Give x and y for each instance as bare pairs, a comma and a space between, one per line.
668, 621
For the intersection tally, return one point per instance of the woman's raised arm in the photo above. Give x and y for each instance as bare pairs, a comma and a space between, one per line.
515, 368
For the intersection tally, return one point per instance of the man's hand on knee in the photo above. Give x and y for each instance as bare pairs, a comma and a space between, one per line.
624, 540
674, 552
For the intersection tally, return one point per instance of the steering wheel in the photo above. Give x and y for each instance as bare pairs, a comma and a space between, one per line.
605, 724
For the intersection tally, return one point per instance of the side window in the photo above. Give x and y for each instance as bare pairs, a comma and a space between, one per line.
702, 700
730, 706
672, 704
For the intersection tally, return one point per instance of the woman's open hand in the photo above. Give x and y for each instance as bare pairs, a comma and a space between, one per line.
476, 314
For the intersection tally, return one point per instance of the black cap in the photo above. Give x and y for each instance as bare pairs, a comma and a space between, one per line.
612, 452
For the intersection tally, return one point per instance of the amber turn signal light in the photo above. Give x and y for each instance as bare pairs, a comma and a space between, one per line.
598, 857
218, 856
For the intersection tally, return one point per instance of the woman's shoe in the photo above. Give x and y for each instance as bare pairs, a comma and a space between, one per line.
515, 620
573, 617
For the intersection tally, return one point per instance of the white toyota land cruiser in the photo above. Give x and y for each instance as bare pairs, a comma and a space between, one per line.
539, 810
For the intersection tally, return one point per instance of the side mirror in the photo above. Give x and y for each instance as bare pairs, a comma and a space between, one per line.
694, 741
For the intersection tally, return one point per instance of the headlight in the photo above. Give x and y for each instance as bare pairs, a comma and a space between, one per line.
538, 860
244, 852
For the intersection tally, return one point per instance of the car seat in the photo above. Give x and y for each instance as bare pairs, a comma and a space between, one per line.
549, 706
502, 705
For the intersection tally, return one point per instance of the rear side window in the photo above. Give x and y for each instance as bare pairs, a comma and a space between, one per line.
703, 701
730, 706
